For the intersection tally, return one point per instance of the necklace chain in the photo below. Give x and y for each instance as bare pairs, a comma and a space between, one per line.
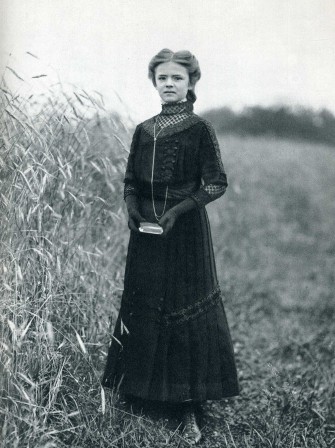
152, 172
152, 177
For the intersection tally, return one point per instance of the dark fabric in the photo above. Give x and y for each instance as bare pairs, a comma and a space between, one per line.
187, 153
173, 343
171, 340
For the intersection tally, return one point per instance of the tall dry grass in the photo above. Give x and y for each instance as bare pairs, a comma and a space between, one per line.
62, 249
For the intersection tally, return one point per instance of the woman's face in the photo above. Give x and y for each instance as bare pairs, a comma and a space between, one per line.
172, 81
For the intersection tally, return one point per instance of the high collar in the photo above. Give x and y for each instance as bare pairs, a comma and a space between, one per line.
176, 108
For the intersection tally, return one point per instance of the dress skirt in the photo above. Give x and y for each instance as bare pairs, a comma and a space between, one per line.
171, 339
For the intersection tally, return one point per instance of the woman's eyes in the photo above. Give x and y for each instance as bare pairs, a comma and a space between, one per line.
163, 78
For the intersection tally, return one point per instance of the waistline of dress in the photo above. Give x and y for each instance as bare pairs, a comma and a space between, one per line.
174, 193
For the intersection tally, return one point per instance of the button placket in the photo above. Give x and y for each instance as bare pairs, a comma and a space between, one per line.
170, 149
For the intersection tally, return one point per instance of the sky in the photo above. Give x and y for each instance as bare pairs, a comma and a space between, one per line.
250, 51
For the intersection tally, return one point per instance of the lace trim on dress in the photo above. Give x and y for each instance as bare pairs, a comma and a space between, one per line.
168, 120
194, 310
208, 193
186, 123
128, 190
214, 190
175, 108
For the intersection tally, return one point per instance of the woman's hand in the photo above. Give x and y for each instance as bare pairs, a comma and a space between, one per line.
134, 220
167, 221
134, 215
169, 218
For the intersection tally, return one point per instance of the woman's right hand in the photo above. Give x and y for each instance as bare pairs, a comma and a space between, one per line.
134, 215
134, 220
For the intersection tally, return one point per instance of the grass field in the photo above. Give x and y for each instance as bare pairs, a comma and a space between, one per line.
63, 246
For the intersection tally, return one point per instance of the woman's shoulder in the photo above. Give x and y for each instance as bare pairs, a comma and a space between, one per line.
206, 124
147, 121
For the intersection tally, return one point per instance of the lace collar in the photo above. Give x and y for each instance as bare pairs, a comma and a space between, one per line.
176, 108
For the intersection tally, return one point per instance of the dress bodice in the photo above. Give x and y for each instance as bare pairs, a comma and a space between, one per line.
187, 157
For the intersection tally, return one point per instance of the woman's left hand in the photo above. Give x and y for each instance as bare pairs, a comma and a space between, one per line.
167, 221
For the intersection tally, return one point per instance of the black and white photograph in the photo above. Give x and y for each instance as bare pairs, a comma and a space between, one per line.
167, 205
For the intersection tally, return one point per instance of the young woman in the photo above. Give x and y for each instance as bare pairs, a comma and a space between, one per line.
171, 340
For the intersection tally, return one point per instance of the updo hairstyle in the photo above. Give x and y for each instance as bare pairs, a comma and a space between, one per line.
184, 58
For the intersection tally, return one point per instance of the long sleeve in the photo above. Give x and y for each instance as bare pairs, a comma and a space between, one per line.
130, 184
214, 179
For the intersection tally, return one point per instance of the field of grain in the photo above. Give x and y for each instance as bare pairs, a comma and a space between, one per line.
63, 244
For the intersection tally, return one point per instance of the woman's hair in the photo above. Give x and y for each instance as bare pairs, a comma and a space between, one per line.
184, 58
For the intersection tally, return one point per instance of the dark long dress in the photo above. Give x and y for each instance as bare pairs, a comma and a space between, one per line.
171, 340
